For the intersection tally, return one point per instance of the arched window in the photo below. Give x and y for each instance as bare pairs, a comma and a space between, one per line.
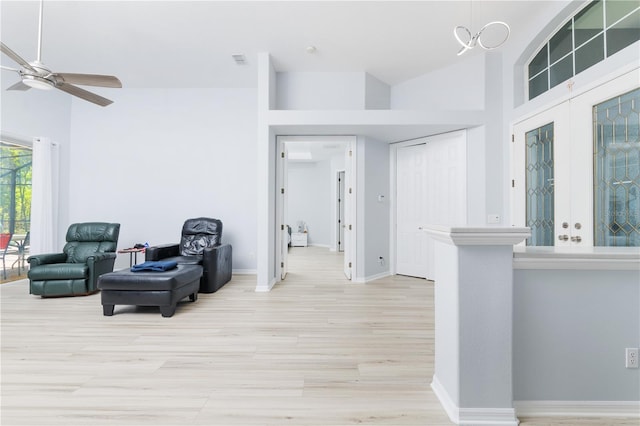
599, 30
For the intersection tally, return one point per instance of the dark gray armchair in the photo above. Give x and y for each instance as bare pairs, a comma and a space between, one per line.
200, 244
88, 253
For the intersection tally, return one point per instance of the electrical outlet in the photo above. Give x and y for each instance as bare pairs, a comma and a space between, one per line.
631, 358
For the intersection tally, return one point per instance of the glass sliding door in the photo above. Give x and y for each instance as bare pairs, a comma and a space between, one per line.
616, 155
15, 184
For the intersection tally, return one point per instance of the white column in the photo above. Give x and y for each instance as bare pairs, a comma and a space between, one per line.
474, 322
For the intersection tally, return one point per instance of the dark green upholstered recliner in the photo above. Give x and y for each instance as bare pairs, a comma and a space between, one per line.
89, 253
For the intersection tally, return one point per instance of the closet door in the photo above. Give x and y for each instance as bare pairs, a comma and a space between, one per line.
411, 202
431, 190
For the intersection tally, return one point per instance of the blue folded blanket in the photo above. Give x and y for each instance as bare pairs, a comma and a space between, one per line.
155, 266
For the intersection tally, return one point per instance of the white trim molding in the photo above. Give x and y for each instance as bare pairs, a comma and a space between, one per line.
372, 277
265, 289
580, 258
479, 236
244, 272
473, 416
578, 408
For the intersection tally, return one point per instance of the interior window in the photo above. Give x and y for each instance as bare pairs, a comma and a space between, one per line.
601, 29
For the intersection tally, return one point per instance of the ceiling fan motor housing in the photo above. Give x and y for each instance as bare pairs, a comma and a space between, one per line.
43, 79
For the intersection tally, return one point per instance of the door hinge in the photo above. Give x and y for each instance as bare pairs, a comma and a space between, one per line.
513, 138
350, 153
282, 190
282, 154
349, 227
513, 183
349, 264
349, 190
282, 227
282, 264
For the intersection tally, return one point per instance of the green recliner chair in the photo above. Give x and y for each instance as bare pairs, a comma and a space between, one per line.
89, 253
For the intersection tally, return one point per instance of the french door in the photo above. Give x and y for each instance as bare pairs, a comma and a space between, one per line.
576, 178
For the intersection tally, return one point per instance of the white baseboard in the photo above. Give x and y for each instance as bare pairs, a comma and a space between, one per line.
244, 272
578, 408
450, 407
267, 288
472, 416
371, 277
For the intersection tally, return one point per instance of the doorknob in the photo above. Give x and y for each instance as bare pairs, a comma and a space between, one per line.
564, 237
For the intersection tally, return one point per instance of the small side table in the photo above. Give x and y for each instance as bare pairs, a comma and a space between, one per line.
299, 239
133, 254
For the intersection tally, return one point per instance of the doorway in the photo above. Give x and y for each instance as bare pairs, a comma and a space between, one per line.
310, 210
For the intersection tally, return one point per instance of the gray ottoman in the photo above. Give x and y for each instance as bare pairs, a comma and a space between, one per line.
162, 289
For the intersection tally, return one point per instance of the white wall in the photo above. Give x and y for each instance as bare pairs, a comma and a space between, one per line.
377, 93
570, 331
373, 216
157, 157
456, 87
310, 200
320, 90
331, 91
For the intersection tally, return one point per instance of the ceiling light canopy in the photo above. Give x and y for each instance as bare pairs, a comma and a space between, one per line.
477, 38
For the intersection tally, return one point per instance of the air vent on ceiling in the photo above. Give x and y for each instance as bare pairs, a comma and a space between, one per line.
240, 59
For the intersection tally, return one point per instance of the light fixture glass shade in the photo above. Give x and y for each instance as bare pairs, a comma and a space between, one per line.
37, 82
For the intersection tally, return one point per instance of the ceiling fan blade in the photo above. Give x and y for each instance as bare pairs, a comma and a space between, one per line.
10, 69
19, 86
89, 79
83, 94
13, 55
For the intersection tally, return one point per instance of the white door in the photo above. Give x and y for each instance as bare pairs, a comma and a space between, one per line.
282, 206
431, 189
340, 213
411, 200
542, 198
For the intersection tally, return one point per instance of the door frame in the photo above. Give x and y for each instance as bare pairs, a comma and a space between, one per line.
350, 213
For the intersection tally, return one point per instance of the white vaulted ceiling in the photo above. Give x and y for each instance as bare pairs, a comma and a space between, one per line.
183, 44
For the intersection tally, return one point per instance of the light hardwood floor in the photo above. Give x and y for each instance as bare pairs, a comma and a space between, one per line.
316, 350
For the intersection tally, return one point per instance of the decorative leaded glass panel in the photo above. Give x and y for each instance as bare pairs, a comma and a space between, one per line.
539, 186
617, 171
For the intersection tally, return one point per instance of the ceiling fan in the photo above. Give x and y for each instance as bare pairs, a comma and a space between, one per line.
35, 74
